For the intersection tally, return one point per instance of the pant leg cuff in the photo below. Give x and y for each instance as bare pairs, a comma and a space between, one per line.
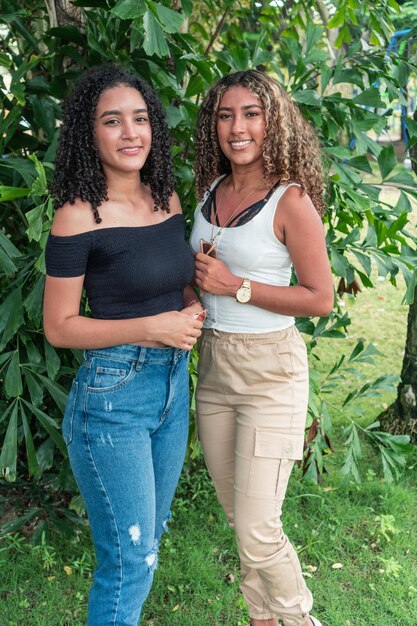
254, 615
295, 622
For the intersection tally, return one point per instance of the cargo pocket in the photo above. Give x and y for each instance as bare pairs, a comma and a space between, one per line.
272, 462
284, 356
68, 421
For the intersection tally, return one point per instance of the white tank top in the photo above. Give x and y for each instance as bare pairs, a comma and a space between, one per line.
252, 251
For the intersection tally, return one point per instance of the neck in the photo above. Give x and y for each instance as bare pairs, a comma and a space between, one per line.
244, 178
124, 185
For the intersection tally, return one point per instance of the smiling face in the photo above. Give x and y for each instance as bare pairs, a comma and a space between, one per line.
241, 127
122, 130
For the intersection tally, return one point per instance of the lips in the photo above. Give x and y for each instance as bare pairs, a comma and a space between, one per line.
131, 150
240, 145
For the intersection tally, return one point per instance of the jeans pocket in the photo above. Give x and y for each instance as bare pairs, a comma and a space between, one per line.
108, 375
272, 461
68, 420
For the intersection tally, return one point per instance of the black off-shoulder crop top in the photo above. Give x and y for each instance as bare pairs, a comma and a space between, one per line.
131, 271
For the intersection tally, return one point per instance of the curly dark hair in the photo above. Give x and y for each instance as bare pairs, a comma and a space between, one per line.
78, 169
291, 149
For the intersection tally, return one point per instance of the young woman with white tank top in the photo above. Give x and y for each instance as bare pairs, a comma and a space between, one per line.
260, 183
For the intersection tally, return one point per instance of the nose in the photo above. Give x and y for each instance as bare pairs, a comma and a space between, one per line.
129, 129
238, 123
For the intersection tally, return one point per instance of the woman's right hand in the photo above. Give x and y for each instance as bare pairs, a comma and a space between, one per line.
176, 329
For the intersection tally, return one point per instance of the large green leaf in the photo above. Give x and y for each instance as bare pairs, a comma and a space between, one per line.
33, 465
403, 178
68, 33
129, 9
9, 125
34, 218
11, 316
49, 425
348, 75
44, 115
12, 193
307, 96
339, 262
371, 98
40, 184
171, 20
4, 357
387, 160
57, 392
8, 252
13, 378
36, 391
155, 41
361, 163
8, 456
53, 362
17, 167
33, 301
5, 60
45, 454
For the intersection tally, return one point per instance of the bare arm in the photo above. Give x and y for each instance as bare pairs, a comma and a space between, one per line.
66, 328
298, 225
192, 302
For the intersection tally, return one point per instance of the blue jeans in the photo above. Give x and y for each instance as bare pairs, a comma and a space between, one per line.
126, 428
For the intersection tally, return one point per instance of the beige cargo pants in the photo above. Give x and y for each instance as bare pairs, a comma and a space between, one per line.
251, 409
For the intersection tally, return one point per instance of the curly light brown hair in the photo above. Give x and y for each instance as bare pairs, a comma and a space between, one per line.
291, 150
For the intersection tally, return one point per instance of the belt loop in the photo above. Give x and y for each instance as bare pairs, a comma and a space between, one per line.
141, 359
87, 359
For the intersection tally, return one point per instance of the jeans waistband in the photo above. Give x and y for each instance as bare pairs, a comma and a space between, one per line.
142, 354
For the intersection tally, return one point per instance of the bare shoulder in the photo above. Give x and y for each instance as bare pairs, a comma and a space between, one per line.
73, 219
175, 204
295, 206
295, 212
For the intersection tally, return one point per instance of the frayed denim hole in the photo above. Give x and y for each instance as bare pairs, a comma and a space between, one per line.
135, 534
165, 522
151, 558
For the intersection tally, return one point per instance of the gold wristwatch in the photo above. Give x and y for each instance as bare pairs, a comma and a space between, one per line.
244, 293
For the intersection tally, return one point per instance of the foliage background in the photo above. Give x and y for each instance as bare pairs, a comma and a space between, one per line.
331, 56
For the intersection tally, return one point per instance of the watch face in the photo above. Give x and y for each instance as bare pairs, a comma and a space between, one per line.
243, 294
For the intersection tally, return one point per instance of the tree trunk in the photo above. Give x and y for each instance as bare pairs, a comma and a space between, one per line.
63, 12
401, 417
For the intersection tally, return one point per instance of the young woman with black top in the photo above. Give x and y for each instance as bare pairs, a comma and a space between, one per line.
118, 232
260, 183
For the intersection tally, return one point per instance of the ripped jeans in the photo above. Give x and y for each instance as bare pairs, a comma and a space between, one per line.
126, 428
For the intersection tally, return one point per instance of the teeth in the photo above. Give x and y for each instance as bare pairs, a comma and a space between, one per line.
130, 149
240, 143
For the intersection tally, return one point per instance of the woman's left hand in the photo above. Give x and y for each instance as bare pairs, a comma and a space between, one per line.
213, 276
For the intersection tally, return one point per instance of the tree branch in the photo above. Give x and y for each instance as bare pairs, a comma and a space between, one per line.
217, 31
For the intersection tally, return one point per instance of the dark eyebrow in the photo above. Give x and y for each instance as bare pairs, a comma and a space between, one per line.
119, 112
244, 108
